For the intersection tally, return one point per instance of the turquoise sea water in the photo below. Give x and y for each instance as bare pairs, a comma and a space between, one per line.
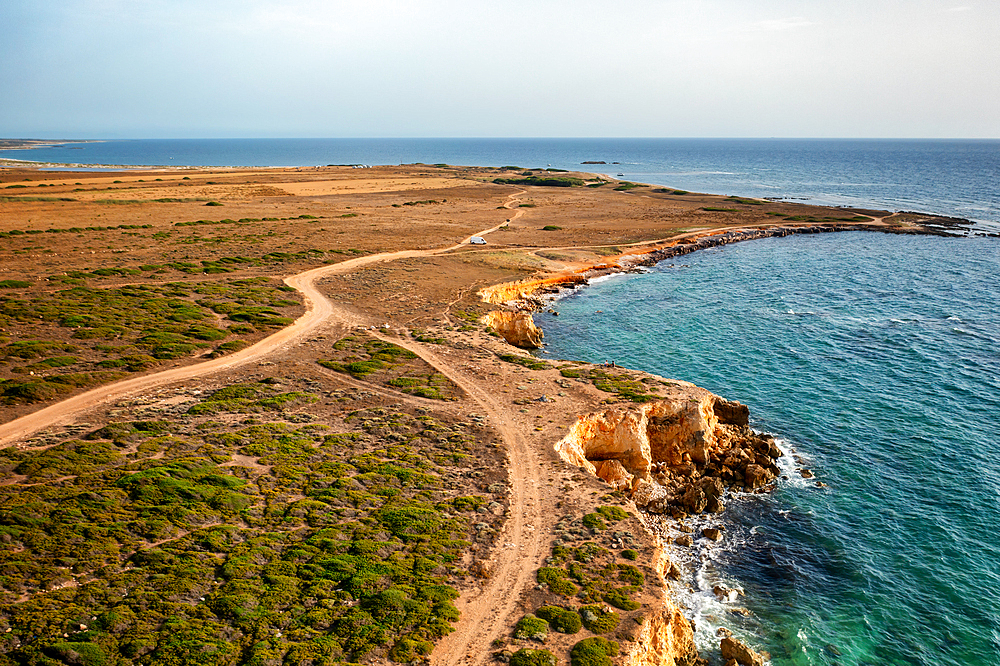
876, 360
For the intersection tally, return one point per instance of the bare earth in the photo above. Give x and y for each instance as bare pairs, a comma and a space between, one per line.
389, 249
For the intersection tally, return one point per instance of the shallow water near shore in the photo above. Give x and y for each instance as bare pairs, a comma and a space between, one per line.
876, 360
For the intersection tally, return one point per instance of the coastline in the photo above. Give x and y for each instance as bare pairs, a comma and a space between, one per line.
377, 293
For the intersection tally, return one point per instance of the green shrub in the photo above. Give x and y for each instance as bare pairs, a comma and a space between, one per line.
594, 522
14, 284
595, 651
81, 654
531, 627
622, 599
613, 513
563, 620
630, 574
558, 581
528, 657
630, 554
551, 227
599, 620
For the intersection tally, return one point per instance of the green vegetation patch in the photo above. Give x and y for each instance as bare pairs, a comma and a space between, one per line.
542, 181
619, 383
563, 620
558, 581
529, 657
598, 619
334, 547
250, 398
129, 328
529, 362
389, 365
594, 651
531, 627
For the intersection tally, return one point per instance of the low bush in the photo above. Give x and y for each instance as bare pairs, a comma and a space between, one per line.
598, 619
558, 581
563, 620
531, 627
527, 657
595, 651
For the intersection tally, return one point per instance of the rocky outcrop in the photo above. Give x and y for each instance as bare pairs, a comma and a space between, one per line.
734, 650
665, 639
678, 455
522, 290
517, 328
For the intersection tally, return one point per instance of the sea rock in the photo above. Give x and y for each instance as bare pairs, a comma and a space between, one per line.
756, 477
734, 649
722, 632
711, 533
517, 328
806, 474
684, 540
724, 593
693, 500
712, 487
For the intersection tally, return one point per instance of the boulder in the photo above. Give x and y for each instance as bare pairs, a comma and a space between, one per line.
615, 474
684, 540
693, 500
711, 533
731, 412
756, 477
735, 649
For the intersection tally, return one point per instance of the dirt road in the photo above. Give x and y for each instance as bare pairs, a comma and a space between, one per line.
484, 612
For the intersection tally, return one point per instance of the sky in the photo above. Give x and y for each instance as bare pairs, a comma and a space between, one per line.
477, 68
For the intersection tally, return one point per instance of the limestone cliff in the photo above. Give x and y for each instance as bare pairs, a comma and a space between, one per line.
677, 455
517, 328
510, 292
665, 639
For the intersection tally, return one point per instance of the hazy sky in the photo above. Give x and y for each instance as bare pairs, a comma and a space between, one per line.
393, 68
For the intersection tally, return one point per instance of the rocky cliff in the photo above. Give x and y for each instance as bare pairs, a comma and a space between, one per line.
517, 328
675, 455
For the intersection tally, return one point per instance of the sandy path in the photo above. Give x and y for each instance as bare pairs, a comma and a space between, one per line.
486, 611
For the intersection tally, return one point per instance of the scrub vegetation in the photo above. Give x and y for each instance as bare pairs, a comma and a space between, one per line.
181, 540
389, 365
82, 336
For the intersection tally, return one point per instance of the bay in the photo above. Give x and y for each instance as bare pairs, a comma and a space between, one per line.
876, 360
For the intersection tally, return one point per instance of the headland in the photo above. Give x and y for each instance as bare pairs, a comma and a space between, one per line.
275, 415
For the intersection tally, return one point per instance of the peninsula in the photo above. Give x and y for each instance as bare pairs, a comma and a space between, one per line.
284, 416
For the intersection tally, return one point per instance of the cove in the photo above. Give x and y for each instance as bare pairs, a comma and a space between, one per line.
874, 359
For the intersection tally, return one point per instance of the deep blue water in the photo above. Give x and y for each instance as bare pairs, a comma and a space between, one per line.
876, 359
950, 177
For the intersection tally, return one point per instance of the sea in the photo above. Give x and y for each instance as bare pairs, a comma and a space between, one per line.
874, 359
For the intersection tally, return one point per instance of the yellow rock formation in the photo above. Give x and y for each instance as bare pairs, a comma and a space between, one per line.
517, 328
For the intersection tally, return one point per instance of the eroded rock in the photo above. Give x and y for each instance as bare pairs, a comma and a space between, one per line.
517, 328
736, 649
